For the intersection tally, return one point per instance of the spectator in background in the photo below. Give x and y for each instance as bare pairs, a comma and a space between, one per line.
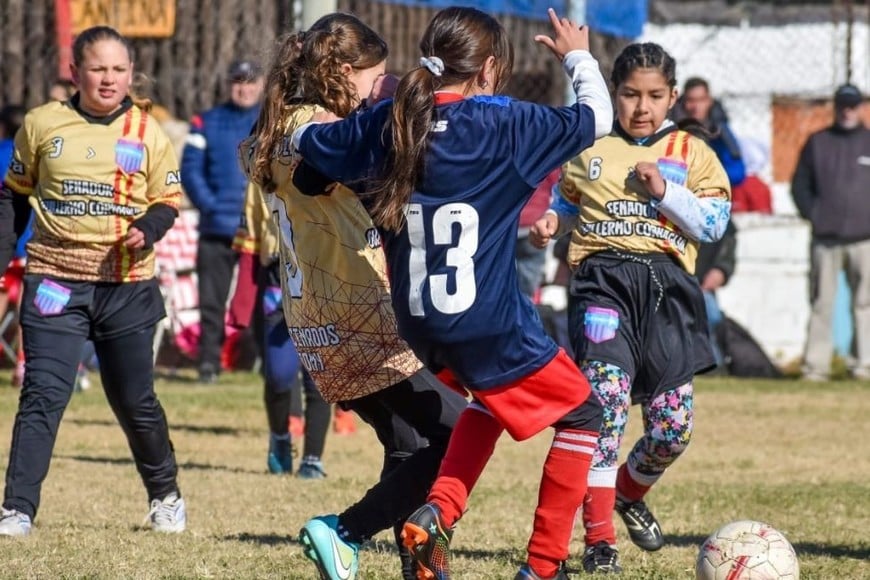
713, 269
830, 189
697, 103
215, 184
530, 260
752, 194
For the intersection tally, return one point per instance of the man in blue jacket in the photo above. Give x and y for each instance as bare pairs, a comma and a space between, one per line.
215, 184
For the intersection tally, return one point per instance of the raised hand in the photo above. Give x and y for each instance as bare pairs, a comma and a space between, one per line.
567, 36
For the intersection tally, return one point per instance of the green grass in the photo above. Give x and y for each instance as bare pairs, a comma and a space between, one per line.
793, 454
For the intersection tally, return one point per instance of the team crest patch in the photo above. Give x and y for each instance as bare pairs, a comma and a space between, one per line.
129, 155
600, 324
673, 170
51, 298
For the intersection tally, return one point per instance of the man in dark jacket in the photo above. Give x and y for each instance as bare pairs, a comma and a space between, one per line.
831, 189
697, 103
215, 184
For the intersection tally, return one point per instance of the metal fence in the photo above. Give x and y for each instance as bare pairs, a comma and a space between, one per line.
774, 66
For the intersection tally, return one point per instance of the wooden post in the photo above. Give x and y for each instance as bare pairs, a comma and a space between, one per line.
64, 37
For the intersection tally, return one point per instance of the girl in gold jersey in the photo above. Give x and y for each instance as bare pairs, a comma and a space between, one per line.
102, 180
638, 203
335, 291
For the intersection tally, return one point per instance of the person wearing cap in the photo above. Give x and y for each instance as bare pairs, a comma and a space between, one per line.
215, 184
831, 189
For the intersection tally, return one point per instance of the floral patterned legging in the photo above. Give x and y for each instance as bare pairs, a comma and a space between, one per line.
667, 422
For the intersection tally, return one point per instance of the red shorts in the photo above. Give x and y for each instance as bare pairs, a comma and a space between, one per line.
10, 282
529, 405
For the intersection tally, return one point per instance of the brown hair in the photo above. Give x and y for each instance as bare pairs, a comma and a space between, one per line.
97, 34
463, 38
306, 69
649, 55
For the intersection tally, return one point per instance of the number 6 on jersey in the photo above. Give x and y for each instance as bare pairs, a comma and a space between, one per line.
459, 256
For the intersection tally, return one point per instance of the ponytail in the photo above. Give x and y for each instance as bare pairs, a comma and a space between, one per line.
309, 68
282, 86
412, 115
139, 90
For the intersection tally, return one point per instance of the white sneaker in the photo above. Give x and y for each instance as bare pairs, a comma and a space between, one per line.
14, 523
167, 515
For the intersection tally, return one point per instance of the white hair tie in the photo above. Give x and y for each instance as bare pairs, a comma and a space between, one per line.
433, 64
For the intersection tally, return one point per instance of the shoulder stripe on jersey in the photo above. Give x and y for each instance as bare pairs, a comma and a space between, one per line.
143, 121
122, 255
672, 139
684, 153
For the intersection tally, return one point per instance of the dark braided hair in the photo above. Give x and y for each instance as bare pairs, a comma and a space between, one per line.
647, 55
651, 56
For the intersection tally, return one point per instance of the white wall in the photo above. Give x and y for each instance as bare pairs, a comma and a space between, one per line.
768, 293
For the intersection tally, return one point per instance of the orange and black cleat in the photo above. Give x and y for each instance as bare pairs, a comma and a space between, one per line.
428, 540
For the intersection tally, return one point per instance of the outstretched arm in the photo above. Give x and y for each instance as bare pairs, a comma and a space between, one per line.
347, 150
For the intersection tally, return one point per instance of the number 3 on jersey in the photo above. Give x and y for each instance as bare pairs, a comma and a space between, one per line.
459, 256
293, 273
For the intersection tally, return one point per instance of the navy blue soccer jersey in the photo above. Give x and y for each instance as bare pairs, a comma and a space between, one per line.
452, 268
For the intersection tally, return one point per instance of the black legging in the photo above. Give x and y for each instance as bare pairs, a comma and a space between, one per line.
126, 370
418, 405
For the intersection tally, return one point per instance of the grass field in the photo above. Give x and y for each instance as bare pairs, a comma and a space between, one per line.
793, 454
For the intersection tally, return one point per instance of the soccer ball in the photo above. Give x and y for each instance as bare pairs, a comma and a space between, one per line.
746, 550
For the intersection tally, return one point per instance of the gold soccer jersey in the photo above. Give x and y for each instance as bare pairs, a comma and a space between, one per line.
88, 180
336, 296
616, 211
256, 233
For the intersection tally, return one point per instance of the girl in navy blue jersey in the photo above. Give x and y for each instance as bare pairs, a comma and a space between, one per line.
449, 167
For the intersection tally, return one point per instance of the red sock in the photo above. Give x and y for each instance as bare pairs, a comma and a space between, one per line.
471, 445
598, 515
627, 488
563, 487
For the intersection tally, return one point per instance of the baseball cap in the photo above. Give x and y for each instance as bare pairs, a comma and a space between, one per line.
848, 96
244, 70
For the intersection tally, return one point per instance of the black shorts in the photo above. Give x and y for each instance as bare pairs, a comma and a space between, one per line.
642, 313
97, 310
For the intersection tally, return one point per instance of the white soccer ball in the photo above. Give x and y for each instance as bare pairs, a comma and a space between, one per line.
746, 550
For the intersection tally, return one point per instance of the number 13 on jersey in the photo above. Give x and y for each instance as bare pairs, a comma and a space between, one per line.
460, 256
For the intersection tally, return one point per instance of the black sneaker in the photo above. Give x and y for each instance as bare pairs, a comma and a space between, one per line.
526, 573
602, 557
428, 540
643, 529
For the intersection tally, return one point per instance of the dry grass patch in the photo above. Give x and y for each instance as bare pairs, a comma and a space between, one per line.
793, 454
